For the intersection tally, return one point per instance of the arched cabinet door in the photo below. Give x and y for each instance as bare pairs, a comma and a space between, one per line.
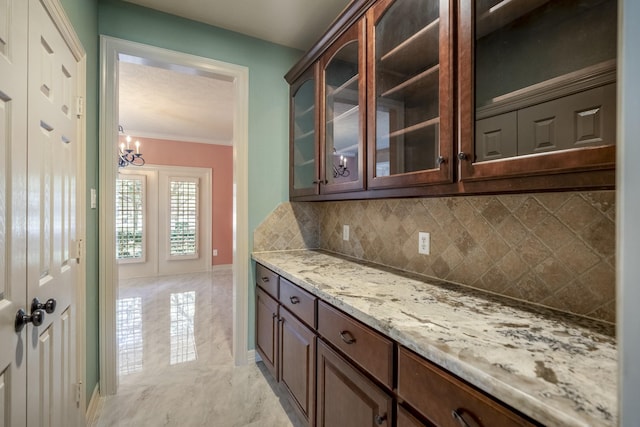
343, 113
410, 119
303, 133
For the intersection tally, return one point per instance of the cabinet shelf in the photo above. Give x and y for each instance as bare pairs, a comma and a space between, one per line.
345, 115
432, 122
344, 87
304, 135
502, 14
417, 83
304, 112
415, 52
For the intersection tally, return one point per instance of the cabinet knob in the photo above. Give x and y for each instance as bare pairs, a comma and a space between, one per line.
265, 279
441, 160
347, 337
294, 300
463, 156
380, 419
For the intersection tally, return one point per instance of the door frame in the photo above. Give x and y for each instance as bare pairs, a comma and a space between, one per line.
110, 49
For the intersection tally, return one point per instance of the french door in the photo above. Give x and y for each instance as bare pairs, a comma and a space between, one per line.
163, 220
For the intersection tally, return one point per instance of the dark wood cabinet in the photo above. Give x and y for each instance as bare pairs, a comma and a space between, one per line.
410, 93
406, 419
297, 363
537, 92
462, 97
367, 348
304, 145
346, 374
286, 343
346, 397
267, 330
447, 401
343, 112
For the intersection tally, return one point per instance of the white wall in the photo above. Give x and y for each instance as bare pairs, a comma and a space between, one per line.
628, 221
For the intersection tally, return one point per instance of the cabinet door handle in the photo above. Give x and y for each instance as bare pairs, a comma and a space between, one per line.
265, 279
456, 415
347, 337
294, 299
380, 419
463, 156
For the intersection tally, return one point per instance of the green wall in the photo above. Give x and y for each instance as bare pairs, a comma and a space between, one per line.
84, 17
268, 93
268, 116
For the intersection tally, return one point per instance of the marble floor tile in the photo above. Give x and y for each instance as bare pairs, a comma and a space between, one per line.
175, 361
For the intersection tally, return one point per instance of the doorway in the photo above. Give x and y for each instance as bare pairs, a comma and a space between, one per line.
112, 50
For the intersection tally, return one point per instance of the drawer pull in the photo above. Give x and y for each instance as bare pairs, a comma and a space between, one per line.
380, 419
294, 300
265, 279
347, 337
458, 417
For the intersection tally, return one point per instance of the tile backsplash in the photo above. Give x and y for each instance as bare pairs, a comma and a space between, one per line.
553, 249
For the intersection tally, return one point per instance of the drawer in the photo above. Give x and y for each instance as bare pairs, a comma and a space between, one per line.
298, 301
364, 346
405, 419
267, 280
447, 401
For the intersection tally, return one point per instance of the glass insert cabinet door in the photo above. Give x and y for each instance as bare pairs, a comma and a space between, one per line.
411, 108
543, 78
344, 112
304, 135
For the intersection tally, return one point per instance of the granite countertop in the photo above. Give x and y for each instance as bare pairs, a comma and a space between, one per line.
559, 369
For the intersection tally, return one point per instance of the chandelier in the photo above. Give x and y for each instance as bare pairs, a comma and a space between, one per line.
341, 169
126, 155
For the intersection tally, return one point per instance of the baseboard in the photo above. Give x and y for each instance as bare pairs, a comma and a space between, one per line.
93, 408
253, 357
221, 267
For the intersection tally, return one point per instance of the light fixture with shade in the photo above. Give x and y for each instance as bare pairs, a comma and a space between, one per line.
126, 154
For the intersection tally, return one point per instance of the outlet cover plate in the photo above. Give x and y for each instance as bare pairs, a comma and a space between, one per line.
424, 243
345, 232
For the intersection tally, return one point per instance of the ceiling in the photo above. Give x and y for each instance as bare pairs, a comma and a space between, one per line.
293, 23
161, 101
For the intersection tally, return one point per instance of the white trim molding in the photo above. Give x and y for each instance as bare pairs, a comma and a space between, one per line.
94, 408
111, 49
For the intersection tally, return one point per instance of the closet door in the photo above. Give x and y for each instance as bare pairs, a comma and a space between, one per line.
52, 266
13, 193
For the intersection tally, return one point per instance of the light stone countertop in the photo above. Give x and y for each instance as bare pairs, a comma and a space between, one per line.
559, 369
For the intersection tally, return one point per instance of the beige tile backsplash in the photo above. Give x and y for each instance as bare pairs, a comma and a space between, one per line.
554, 249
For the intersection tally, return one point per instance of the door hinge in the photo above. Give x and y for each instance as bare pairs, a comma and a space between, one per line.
76, 247
78, 393
79, 106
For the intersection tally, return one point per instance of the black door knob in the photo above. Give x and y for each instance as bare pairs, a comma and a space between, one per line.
49, 306
22, 318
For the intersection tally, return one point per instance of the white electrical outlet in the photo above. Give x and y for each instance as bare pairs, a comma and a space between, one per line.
215, 252
424, 245
345, 232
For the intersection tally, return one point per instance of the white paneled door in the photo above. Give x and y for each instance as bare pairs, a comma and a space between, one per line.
13, 208
39, 132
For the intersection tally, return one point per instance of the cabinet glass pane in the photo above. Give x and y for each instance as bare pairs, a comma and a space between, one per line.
342, 115
304, 136
407, 83
544, 75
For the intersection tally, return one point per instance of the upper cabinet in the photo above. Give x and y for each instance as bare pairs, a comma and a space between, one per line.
303, 133
343, 115
523, 98
537, 87
410, 93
